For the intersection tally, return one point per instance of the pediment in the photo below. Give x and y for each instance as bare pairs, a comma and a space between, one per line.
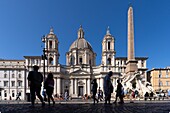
80, 72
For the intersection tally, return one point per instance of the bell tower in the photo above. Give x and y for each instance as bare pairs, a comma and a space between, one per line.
51, 45
108, 49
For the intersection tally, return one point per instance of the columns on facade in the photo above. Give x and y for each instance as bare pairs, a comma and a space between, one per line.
85, 87
71, 87
114, 82
98, 83
62, 85
59, 86
55, 86
67, 59
76, 87
55, 60
88, 86
85, 57
101, 83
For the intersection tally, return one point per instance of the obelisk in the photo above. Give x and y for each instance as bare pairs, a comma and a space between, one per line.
131, 62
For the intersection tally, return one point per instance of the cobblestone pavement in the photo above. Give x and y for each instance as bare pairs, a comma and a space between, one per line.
88, 107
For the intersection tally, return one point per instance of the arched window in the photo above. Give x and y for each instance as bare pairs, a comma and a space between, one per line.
72, 60
51, 60
50, 44
80, 60
108, 45
109, 61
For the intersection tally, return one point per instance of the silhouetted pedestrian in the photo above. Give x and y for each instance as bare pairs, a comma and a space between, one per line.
35, 79
94, 90
108, 87
65, 96
49, 86
119, 92
18, 96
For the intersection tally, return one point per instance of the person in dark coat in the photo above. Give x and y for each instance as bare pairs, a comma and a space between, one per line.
35, 79
94, 90
108, 87
49, 86
119, 92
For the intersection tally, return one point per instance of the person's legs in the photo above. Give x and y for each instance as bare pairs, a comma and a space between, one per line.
121, 99
94, 97
48, 95
109, 97
106, 98
32, 94
116, 98
48, 98
38, 90
52, 99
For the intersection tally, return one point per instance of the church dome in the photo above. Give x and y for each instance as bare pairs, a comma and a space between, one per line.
80, 42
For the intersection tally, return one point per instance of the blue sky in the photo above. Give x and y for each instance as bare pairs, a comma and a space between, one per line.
24, 22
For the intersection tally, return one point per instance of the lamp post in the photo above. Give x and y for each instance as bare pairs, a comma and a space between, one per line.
44, 58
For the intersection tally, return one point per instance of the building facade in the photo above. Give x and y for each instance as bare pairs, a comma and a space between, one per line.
75, 76
159, 78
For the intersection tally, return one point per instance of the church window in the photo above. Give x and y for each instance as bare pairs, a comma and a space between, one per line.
50, 44
5, 83
37, 62
109, 61
13, 94
19, 75
33, 61
80, 60
12, 83
50, 60
13, 75
167, 83
160, 74
90, 62
160, 83
124, 62
167, 73
5, 93
72, 59
19, 83
5, 75
142, 63
108, 45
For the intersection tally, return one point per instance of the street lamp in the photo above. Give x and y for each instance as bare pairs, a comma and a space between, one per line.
44, 58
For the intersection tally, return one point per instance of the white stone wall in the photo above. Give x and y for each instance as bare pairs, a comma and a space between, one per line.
15, 73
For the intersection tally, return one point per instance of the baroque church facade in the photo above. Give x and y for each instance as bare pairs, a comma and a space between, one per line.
76, 76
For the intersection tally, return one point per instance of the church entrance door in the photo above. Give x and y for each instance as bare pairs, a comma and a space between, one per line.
80, 91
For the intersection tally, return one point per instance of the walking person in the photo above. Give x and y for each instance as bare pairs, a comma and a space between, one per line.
18, 96
94, 91
99, 94
119, 92
65, 96
49, 86
108, 87
35, 79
